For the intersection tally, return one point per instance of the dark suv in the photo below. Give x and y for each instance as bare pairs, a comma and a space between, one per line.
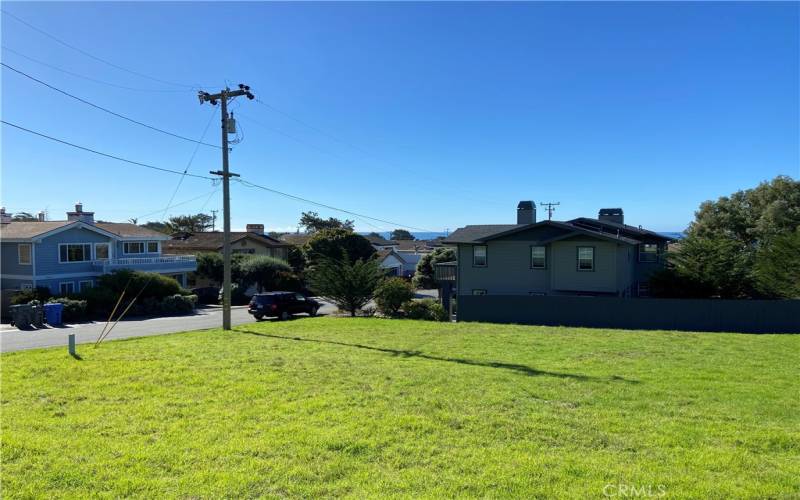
282, 305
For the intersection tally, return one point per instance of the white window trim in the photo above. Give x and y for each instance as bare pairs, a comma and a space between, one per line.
655, 254
30, 254
91, 253
71, 285
485, 256
125, 246
578, 261
94, 250
82, 282
545, 257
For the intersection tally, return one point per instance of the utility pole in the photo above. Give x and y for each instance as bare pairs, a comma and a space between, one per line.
214, 220
550, 208
222, 97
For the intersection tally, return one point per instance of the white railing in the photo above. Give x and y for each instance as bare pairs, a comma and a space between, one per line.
138, 261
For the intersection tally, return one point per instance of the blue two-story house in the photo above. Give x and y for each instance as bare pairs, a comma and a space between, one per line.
67, 256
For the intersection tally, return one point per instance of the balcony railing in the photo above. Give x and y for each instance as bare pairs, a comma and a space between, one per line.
180, 262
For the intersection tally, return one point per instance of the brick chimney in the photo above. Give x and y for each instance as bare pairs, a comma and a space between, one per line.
4, 217
40, 216
80, 215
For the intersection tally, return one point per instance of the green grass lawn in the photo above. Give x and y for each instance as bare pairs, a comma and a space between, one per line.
371, 407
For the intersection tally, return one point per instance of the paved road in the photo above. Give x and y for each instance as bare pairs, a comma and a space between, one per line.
12, 339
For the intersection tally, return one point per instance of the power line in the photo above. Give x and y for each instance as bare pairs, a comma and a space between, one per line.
330, 207
103, 154
191, 159
177, 204
92, 56
84, 101
84, 77
242, 181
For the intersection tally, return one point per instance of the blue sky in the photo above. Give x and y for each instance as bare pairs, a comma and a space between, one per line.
432, 115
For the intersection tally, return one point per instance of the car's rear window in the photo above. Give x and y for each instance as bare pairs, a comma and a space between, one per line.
265, 299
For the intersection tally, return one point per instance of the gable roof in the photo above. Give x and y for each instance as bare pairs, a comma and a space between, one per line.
613, 227
213, 241
379, 240
128, 230
36, 230
476, 234
484, 233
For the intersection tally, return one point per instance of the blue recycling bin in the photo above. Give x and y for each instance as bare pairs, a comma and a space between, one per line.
52, 313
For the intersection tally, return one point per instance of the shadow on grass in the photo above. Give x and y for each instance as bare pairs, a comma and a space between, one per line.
522, 369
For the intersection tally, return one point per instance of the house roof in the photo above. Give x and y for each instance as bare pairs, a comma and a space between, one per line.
128, 230
379, 240
212, 241
30, 230
297, 239
612, 227
476, 234
481, 234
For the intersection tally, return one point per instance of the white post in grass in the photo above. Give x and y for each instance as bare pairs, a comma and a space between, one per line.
72, 344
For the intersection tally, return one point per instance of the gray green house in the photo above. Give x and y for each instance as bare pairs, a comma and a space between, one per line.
584, 256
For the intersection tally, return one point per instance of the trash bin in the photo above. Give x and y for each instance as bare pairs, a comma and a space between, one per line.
21, 316
53, 313
37, 314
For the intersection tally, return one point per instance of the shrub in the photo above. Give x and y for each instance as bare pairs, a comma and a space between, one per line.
74, 310
392, 294
424, 275
100, 300
153, 285
40, 293
425, 309
178, 304
262, 271
350, 285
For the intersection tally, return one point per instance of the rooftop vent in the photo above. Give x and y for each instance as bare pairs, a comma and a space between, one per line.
526, 212
614, 215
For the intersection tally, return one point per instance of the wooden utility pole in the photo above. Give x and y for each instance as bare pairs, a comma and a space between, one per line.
551, 207
222, 97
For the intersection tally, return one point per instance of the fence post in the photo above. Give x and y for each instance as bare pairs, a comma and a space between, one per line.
72, 344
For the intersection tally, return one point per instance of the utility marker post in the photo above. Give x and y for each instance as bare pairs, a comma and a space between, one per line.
223, 97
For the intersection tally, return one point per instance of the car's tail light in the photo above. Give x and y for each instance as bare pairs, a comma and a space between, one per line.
274, 306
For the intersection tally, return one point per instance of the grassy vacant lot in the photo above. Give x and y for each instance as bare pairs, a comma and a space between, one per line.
370, 407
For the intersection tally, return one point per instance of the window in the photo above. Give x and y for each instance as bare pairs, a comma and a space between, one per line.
300, 297
478, 291
133, 247
585, 258
479, 256
152, 247
648, 252
101, 251
27, 286
66, 287
24, 253
538, 258
84, 285
74, 252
